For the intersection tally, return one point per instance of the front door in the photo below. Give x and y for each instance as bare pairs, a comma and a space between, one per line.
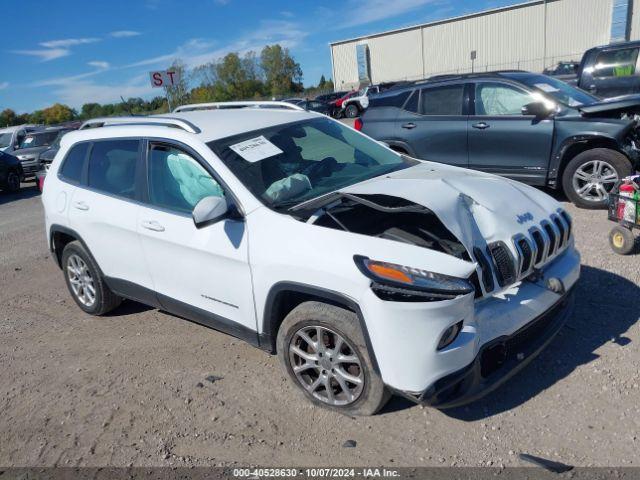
200, 273
504, 141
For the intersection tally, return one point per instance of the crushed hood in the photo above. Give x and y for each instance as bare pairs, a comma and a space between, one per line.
477, 208
624, 103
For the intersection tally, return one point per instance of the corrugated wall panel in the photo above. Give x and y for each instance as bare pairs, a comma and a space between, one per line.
512, 38
635, 21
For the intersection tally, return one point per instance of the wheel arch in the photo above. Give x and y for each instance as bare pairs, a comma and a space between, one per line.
59, 237
283, 297
573, 146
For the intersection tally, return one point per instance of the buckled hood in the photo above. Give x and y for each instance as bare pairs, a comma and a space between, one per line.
477, 208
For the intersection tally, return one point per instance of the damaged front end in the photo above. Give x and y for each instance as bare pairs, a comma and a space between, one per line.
400, 220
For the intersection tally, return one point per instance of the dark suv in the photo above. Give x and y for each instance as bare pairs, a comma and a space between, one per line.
522, 125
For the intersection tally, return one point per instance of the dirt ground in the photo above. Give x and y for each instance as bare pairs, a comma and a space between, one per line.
132, 388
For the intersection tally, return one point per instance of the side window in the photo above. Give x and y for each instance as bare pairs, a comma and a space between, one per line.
616, 63
412, 103
500, 99
177, 181
112, 167
442, 100
74, 162
389, 100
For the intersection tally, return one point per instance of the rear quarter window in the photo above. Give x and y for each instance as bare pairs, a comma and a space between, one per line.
73, 163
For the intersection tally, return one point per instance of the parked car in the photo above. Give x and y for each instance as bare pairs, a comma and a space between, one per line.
358, 103
46, 157
316, 106
366, 271
10, 172
330, 97
336, 110
566, 71
32, 145
610, 70
522, 125
12, 137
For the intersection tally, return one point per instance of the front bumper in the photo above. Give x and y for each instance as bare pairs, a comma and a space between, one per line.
30, 166
499, 360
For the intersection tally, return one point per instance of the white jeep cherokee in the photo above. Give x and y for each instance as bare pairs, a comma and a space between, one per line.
368, 272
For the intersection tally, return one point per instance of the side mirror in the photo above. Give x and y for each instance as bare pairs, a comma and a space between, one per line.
209, 210
537, 109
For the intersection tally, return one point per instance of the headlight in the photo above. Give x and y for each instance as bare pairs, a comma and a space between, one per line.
400, 279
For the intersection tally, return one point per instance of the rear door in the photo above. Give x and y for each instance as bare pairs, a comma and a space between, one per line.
104, 211
504, 141
614, 72
433, 123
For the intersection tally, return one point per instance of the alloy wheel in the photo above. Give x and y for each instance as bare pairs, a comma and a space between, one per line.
594, 180
326, 365
81, 280
13, 181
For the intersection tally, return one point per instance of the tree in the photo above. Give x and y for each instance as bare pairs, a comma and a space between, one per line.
91, 110
322, 82
8, 118
282, 73
58, 113
177, 93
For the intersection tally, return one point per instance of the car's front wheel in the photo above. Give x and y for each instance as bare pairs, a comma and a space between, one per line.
12, 183
323, 350
85, 283
592, 174
351, 111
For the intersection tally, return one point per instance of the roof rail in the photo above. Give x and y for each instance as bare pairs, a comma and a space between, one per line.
141, 121
243, 104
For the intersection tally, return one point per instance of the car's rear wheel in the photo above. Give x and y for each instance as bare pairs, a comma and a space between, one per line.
351, 111
13, 181
591, 175
84, 281
323, 350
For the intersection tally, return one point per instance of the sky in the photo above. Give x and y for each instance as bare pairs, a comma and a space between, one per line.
79, 51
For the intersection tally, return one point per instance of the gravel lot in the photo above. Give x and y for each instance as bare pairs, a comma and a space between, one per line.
131, 388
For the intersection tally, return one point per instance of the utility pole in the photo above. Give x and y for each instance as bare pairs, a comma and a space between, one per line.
544, 40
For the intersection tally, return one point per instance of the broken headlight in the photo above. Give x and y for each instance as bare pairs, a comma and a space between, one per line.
401, 283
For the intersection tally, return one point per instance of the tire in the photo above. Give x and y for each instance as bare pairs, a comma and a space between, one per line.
12, 183
81, 273
583, 171
621, 240
352, 111
367, 397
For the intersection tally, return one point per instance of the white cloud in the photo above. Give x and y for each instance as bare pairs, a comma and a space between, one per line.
124, 34
221, 2
77, 93
375, 10
4, 85
99, 64
286, 13
197, 52
45, 55
68, 42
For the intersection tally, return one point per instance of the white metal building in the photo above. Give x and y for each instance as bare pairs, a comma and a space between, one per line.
527, 36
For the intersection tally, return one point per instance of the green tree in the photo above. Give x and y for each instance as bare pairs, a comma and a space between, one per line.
91, 110
58, 113
8, 118
282, 73
322, 82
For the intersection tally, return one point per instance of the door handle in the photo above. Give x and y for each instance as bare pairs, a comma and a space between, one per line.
481, 125
81, 205
409, 125
152, 225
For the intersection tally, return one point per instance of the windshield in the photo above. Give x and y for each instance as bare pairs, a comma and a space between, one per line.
38, 139
5, 139
558, 90
295, 162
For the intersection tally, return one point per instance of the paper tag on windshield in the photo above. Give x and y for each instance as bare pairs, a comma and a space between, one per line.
545, 87
255, 149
